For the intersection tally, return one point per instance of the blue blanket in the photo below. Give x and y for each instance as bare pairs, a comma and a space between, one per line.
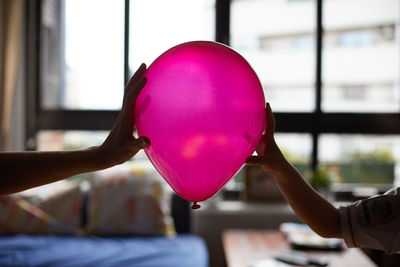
67, 251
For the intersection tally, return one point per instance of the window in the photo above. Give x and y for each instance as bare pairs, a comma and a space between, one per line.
66, 140
361, 66
330, 69
360, 158
85, 55
153, 30
296, 148
85, 70
280, 45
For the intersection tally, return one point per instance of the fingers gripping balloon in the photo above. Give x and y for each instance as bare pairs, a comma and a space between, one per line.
203, 110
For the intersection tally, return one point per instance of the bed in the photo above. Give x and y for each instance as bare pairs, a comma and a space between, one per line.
104, 249
48, 250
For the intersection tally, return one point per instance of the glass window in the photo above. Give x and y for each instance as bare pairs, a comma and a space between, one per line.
69, 140
277, 38
49, 140
157, 25
366, 160
297, 149
82, 54
82, 67
361, 56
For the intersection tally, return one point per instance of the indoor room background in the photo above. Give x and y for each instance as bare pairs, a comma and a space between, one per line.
330, 70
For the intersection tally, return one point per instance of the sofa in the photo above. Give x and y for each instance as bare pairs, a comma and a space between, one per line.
120, 220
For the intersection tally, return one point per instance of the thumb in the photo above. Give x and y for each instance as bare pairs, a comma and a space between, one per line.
143, 142
255, 160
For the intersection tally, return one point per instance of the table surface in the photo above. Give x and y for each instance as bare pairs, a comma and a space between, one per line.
242, 247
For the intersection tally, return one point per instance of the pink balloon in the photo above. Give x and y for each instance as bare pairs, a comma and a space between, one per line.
203, 109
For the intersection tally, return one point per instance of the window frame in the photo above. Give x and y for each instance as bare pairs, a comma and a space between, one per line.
314, 123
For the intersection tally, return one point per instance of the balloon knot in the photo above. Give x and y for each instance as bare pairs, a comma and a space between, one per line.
195, 206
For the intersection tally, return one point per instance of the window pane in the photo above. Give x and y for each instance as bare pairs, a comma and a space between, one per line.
367, 160
157, 25
82, 54
277, 38
70, 140
297, 149
361, 56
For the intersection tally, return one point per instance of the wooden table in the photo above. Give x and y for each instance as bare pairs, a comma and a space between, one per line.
241, 247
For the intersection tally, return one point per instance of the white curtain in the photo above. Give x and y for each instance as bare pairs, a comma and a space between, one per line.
11, 18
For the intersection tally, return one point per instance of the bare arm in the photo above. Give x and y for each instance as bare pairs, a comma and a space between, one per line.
24, 170
309, 205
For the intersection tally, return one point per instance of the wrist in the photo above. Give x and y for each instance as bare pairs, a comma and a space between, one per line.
286, 173
275, 160
99, 159
280, 165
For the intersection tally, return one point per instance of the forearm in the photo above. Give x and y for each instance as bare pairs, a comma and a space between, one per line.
309, 205
23, 170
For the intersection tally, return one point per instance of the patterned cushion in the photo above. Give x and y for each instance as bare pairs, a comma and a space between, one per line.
129, 202
17, 216
50, 209
65, 205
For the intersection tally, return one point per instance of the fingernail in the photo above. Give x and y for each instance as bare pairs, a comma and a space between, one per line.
144, 141
143, 81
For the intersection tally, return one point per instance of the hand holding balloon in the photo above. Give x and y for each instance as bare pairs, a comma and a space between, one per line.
120, 144
269, 157
209, 102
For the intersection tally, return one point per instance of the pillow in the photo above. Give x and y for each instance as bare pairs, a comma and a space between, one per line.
65, 205
18, 216
129, 202
50, 209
